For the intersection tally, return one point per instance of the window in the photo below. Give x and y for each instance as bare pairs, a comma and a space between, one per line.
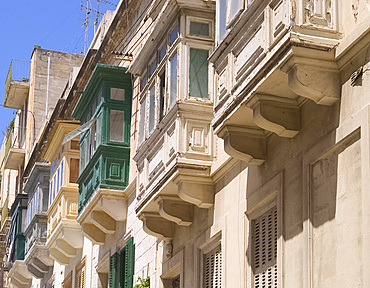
233, 8
265, 250
151, 109
199, 28
81, 274
173, 80
121, 267
212, 268
162, 94
117, 94
174, 34
198, 73
117, 126
142, 121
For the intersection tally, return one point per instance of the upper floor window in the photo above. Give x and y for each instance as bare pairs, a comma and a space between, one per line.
179, 70
232, 8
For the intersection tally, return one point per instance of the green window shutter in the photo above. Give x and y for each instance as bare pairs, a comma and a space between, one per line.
113, 270
122, 268
129, 254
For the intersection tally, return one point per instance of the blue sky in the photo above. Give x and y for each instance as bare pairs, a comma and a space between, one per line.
55, 25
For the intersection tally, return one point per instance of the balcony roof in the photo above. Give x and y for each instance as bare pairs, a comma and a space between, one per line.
15, 158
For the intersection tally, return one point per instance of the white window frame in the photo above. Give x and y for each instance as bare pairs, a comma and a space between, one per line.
200, 20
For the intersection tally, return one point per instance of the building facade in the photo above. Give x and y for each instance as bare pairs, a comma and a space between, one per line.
202, 144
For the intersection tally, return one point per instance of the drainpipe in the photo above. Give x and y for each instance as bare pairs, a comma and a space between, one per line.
47, 88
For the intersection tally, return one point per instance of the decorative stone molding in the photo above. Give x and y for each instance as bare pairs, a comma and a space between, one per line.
244, 143
276, 114
157, 226
176, 210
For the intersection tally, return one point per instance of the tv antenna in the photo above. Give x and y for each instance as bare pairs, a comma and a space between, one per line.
88, 8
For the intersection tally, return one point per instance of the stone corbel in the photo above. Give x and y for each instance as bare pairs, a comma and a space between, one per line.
176, 210
114, 207
35, 271
244, 143
37, 268
93, 233
198, 193
320, 84
103, 221
157, 226
58, 256
276, 114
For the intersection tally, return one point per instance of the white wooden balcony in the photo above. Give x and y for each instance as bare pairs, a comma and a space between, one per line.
176, 144
285, 58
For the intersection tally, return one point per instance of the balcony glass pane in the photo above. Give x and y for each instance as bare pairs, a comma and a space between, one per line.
198, 73
117, 126
199, 28
142, 121
222, 19
152, 68
173, 80
174, 34
162, 52
151, 109
117, 94
162, 93
98, 130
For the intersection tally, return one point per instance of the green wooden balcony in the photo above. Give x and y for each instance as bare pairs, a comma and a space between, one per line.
104, 111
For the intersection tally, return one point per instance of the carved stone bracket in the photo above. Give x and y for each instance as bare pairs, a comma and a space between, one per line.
58, 256
276, 114
191, 190
316, 83
176, 210
93, 233
19, 275
38, 261
244, 143
156, 225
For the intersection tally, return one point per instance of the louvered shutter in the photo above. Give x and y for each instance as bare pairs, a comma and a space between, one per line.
213, 268
129, 263
122, 268
113, 270
265, 250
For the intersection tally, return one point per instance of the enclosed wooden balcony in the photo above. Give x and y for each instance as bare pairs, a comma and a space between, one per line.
36, 254
176, 147
286, 58
63, 232
17, 84
104, 110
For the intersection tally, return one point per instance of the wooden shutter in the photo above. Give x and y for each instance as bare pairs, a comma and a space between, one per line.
129, 263
213, 268
265, 250
113, 270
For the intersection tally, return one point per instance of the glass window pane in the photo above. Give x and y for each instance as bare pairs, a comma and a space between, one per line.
222, 20
199, 28
198, 73
174, 34
151, 109
162, 93
152, 68
117, 125
235, 7
98, 130
173, 80
93, 138
117, 94
162, 52
143, 82
142, 121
